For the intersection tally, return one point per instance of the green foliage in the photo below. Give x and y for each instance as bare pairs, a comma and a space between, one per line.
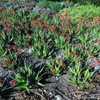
2, 50
86, 11
80, 46
80, 77
60, 42
53, 6
39, 46
21, 83
55, 66
22, 78
43, 3
26, 78
97, 2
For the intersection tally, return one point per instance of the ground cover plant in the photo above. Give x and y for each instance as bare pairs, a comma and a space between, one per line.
49, 50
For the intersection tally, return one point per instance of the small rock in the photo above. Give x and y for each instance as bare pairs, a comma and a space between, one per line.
3, 73
39, 10
60, 55
95, 64
51, 95
58, 97
30, 60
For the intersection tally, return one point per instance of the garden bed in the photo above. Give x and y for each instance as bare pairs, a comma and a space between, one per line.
49, 52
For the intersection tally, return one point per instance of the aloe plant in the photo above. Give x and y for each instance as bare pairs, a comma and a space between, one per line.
80, 77
26, 78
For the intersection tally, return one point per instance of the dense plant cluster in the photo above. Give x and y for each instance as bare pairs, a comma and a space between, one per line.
34, 47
